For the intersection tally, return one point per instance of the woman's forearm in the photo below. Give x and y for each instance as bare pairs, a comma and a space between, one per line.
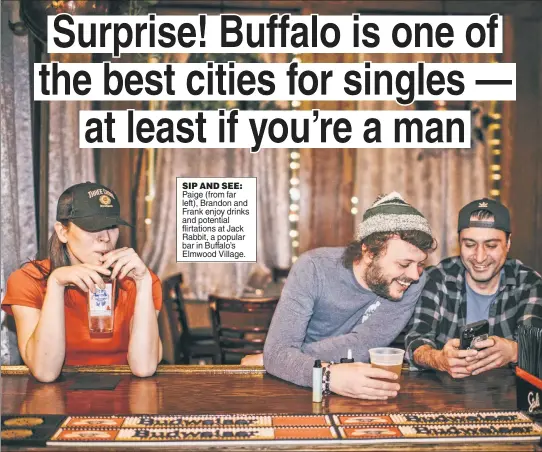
46, 348
144, 346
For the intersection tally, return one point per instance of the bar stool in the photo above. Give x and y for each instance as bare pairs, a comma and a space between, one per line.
241, 324
195, 345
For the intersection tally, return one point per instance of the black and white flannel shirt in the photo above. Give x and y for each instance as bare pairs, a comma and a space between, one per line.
441, 310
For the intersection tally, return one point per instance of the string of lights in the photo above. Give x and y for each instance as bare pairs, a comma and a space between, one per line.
494, 135
151, 186
495, 151
294, 191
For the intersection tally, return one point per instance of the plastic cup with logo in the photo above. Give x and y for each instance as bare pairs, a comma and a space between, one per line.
387, 358
101, 309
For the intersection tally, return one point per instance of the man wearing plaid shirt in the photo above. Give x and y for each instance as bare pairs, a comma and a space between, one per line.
480, 284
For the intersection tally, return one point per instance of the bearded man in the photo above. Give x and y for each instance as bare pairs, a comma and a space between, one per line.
353, 298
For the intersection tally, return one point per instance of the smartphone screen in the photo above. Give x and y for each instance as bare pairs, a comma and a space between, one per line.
473, 333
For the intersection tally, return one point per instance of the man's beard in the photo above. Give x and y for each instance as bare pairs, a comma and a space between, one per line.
377, 282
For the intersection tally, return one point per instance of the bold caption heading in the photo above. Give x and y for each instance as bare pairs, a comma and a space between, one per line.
231, 33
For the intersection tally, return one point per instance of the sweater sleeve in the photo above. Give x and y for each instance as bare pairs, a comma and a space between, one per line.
379, 329
282, 352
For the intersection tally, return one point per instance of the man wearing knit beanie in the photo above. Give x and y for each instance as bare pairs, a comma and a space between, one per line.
353, 298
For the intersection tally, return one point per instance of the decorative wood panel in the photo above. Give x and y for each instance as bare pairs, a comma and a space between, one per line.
327, 181
523, 146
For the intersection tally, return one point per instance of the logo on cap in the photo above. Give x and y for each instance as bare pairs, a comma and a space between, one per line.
482, 205
105, 200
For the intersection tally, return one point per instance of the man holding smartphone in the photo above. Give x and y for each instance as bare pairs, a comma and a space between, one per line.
463, 292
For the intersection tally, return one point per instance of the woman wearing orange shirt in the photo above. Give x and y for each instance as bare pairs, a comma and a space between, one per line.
49, 298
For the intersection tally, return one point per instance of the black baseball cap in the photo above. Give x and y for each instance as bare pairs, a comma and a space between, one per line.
500, 213
94, 207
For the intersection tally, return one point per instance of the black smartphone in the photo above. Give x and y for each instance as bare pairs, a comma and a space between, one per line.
472, 333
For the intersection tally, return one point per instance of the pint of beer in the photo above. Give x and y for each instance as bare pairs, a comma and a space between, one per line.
387, 358
101, 309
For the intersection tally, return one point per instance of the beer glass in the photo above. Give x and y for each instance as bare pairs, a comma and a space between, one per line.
387, 358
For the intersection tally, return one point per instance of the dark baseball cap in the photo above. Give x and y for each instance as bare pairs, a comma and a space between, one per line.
94, 207
500, 213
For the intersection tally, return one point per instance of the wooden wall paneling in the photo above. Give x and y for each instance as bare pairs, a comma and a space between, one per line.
327, 174
538, 175
117, 170
526, 8
508, 115
524, 188
327, 181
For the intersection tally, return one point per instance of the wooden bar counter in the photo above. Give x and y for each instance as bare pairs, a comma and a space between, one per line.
235, 389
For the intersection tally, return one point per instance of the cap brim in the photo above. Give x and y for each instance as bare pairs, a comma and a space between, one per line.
99, 223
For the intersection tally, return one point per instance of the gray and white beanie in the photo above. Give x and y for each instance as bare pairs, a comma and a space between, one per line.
391, 213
